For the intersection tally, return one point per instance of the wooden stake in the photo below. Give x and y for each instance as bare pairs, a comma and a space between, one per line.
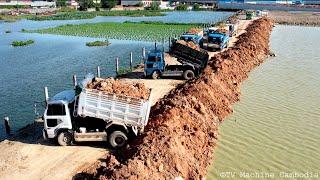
98, 71
131, 58
117, 65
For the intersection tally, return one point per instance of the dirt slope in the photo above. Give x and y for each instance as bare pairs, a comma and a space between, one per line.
182, 131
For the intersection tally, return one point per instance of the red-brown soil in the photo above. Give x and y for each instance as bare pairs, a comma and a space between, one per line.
194, 30
116, 86
182, 130
190, 44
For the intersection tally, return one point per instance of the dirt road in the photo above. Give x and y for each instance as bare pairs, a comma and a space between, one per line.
27, 156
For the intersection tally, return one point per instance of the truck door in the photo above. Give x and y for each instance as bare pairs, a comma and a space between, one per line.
154, 63
57, 116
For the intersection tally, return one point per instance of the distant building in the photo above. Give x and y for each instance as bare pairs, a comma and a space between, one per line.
311, 2
257, 1
28, 3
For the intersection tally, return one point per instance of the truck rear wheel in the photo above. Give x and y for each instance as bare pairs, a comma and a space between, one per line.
188, 74
118, 139
155, 75
64, 138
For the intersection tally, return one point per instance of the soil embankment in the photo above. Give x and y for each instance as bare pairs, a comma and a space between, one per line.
182, 131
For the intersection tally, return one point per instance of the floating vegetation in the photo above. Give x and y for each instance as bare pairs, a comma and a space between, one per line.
98, 43
64, 16
68, 15
22, 43
123, 31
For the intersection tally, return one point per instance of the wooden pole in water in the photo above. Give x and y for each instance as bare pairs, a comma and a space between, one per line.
155, 45
98, 71
74, 78
6, 124
46, 94
131, 58
143, 55
117, 65
163, 44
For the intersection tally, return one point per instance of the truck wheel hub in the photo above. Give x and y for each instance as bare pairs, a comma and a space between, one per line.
119, 140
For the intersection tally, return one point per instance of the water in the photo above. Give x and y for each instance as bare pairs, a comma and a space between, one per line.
275, 127
52, 60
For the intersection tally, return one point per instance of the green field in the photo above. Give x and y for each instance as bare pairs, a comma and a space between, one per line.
90, 15
125, 31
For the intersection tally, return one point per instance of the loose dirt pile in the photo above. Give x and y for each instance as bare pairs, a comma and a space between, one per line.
116, 86
194, 31
182, 131
190, 44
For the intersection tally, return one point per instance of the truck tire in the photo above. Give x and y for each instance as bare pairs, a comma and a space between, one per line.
155, 75
188, 74
64, 138
118, 139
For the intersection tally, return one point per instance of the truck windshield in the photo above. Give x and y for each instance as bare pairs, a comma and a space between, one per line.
56, 110
214, 40
153, 59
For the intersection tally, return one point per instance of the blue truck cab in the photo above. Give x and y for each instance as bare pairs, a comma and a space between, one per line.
196, 38
154, 64
215, 40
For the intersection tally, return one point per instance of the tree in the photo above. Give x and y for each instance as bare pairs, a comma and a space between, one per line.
85, 4
109, 3
196, 7
154, 6
61, 3
182, 7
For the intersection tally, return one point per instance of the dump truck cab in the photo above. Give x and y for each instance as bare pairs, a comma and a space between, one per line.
154, 63
196, 38
215, 40
57, 115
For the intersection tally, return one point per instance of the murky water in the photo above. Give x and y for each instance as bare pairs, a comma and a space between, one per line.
52, 60
275, 129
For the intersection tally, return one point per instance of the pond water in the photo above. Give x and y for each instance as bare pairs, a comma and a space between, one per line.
275, 128
52, 60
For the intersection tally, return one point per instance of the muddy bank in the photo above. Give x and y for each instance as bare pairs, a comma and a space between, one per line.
296, 18
182, 131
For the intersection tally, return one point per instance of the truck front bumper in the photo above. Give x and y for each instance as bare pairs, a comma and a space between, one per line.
209, 45
48, 134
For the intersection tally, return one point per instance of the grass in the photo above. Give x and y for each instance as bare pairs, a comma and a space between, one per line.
69, 15
64, 16
98, 43
123, 31
22, 43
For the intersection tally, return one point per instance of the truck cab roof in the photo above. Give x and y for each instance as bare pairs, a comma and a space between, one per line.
157, 52
64, 97
216, 35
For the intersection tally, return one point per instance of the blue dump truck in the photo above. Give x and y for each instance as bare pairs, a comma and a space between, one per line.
215, 39
193, 61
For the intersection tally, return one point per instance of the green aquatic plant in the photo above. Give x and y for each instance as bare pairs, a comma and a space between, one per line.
123, 31
98, 43
22, 43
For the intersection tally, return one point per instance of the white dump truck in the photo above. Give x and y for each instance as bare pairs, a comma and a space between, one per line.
93, 115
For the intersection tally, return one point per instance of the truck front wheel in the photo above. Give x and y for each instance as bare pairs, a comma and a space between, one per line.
188, 74
118, 139
155, 75
64, 138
